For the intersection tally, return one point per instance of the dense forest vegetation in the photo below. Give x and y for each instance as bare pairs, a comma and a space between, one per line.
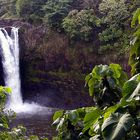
107, 22
105, 26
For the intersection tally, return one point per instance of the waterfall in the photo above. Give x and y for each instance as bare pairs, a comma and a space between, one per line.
9, 51
9, 48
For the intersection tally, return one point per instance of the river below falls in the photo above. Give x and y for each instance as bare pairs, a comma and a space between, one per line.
36, 124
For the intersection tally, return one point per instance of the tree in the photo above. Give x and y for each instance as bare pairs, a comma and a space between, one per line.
8, 8
80, 25
115, 13
30, 9
23, 7
55, 11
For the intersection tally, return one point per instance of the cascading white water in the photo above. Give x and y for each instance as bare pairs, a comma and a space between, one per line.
9, 48
9, 51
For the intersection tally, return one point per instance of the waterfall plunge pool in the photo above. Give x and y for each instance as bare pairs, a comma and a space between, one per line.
38, 122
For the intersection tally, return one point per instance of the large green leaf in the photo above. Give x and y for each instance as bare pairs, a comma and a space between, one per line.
91, 118
58, 114
128, 88
73, 116
131, 88
118, 74
116, 68
88, 77
123, 78
136, 94
100, 71
91, 85
116, 126
110, 110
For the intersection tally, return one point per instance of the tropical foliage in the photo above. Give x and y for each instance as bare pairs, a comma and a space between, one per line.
105, 83
134, 60
112, 121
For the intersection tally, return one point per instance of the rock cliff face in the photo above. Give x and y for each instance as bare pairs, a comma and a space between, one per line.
49, 59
